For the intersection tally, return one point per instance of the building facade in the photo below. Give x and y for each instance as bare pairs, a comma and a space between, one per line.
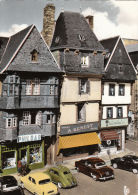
133, 52
81, 57
29, 100
116, 95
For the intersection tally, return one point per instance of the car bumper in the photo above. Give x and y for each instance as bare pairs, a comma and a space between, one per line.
106, 178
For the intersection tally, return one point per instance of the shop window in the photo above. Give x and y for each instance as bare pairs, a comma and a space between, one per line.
119, 112
11, 122
31, 118
50, 119
8, 160
35, 155
111, 90
84, 86
110, 112
34, 56
84, 61
121, 90
33, 87
81, 112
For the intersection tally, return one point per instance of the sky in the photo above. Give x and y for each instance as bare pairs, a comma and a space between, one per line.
111, 17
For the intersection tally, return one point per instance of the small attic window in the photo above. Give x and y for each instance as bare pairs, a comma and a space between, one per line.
57, 39
107, 55
34, 55
120, 68
81, 38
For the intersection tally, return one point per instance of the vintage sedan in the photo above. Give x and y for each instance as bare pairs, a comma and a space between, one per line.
39, 184
95, 168
128, 162
9, 186
62, 176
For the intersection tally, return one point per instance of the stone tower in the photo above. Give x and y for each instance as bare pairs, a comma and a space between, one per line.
48, 23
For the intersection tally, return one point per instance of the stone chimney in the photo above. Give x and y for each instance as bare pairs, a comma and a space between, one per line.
48, 23
89, 19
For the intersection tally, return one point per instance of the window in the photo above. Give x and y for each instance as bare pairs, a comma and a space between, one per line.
119, 112
85, 61
31, 118
34, 56
120, 68
121, 90
81, 112
26, 118
84, 86
50, 119
51, 90
11, 122
33, 87
110, 112
13, 85
111, 90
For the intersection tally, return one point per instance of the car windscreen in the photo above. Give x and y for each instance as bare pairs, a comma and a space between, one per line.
66, 172
44, 181
100, 164
8, 182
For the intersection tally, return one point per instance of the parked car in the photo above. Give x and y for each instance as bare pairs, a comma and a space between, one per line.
39, 184
128, 162
95, 168
9, 186
62, 176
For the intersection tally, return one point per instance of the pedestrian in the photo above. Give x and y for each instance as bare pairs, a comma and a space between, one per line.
19, 166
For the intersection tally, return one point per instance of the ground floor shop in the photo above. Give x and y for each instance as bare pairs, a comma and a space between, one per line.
112, 141
33, 154
78, 145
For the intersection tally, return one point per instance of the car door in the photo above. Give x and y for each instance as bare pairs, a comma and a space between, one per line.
56, 176
128, 164
121, 163
51, 172
34, 187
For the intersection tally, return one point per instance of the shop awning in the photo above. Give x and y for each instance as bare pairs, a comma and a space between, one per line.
109, 135
73, 141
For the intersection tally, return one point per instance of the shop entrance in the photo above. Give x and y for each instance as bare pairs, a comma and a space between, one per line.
23, 154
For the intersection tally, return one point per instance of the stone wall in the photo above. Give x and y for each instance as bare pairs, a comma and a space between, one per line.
48, 23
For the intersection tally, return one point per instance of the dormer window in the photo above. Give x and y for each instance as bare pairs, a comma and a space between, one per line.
81, 38
85, 61
34, 56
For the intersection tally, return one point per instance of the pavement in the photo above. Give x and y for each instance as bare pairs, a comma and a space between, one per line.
70, 163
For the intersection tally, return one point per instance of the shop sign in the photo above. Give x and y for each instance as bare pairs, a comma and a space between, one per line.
29, 138
114, 122
78, 128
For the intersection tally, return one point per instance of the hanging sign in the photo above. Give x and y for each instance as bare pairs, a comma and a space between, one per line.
29, 138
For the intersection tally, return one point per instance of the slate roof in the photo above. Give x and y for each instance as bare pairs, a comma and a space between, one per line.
71, 25
109, 43
3, 43
118, 57
132, 48
14, 44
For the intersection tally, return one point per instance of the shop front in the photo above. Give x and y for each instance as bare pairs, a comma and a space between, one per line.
31, 152
77, 141
111, 141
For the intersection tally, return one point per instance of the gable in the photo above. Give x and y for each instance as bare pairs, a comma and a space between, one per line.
23, 60
120, 66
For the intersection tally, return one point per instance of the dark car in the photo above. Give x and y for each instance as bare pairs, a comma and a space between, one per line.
9, 186
95, 168
128, 162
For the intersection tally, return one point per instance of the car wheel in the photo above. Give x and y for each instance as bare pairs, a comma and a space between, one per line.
78, 170
94, 177
135, 171
114, 165
59, 185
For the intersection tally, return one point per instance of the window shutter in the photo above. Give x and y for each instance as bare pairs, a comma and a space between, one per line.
79, 86
39, 118
88, 86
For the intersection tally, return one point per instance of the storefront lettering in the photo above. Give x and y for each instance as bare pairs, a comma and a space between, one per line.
114, 122
78, 128
27, 138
